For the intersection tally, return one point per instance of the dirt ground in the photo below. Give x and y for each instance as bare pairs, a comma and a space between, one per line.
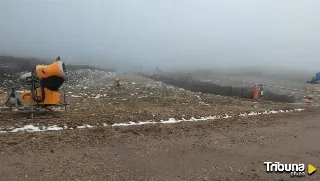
137, 99
222, 149
229, 149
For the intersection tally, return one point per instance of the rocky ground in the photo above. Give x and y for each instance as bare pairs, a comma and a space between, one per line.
95, 100
229, 149
231, 142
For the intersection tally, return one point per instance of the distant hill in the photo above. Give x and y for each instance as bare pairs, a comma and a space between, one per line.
10, 64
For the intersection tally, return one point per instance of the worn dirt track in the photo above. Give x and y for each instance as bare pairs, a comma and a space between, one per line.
228, 149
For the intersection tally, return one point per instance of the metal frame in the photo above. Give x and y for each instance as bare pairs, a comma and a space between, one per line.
32, 108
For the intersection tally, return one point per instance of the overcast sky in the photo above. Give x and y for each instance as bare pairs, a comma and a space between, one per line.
204, 33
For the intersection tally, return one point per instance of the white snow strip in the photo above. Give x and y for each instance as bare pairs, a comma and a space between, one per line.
252, 114
227, 116
85, 126
203, 103
75, 96
28, 128
55, 128
298, 109
97, 96
32, 128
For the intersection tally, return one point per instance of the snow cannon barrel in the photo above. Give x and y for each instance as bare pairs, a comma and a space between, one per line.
56, 69
51, 76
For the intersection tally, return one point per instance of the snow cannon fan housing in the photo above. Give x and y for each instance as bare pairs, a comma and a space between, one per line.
45, 81
51, 76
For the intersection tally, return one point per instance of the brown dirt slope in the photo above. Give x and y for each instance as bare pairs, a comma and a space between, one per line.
229, 149
138, 99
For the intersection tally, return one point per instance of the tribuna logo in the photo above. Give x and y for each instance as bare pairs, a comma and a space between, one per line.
295, 170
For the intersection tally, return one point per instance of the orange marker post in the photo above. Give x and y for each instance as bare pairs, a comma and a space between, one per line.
255, 93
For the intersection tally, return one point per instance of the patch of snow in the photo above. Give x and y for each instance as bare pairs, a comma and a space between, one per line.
75, 96
54, 128
252, 114
85, 126
298, 109
146, 122
28, 128
125, 124
32, 128
171, 120
227, 116
203, 103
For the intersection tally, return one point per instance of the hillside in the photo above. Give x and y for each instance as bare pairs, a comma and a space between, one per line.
10, 64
